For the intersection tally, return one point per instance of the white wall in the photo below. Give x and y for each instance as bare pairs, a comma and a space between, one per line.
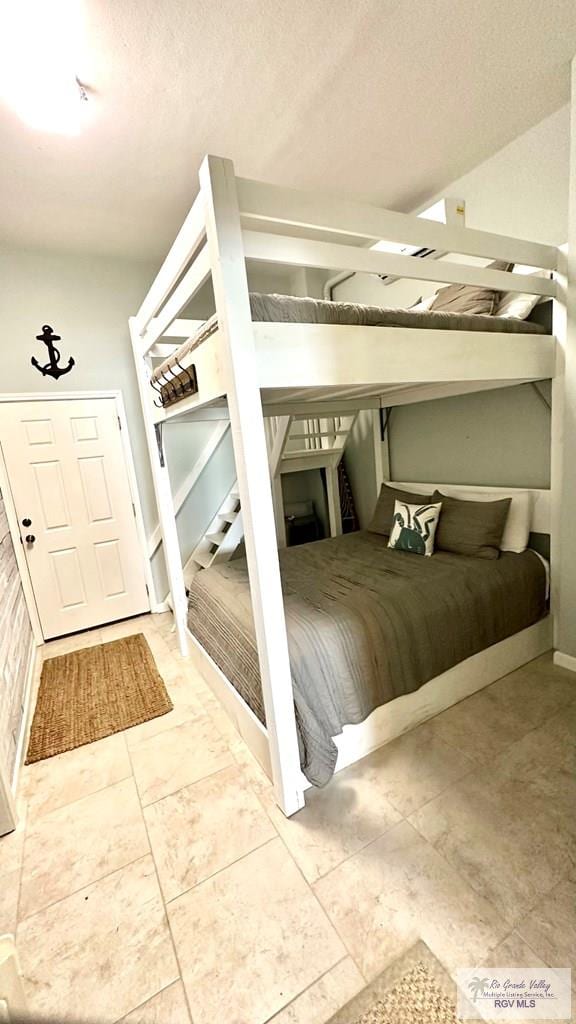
499, 437
88, 300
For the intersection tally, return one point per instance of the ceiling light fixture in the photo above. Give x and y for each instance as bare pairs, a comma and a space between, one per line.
41, 44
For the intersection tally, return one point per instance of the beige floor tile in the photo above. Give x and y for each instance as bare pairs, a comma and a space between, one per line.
497, 833
100, 953
79, 843
76, 642
512, 952
60, 780
186, 707
544, 665
12, 844
550, 927
325, 997
178, 757
482, 726
399, 890
250, 939
397, 767
11, 856
168, 1007
9, 888
544, 762
336, 821
204, 828
532, 696
127, 627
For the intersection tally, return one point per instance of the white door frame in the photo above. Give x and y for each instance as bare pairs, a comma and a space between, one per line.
65, 396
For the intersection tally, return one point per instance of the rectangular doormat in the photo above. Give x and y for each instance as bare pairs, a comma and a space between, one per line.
416, 989
88, 694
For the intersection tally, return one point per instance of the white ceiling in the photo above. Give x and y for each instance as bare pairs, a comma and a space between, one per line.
387, 100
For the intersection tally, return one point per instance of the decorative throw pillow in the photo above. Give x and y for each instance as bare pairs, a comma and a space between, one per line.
383, 518
470, 298
471, 527
414, 527
516, 533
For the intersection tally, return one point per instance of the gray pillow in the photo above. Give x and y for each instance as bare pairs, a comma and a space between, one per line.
471, 527
470, 298
383, 518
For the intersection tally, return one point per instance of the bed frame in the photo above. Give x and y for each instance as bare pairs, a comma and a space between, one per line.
247, 369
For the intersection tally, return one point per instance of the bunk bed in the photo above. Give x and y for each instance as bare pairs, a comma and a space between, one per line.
277, 356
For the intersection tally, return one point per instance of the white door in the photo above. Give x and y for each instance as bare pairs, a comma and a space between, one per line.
68, 477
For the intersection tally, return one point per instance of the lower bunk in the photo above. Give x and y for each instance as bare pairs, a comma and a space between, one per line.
380, 640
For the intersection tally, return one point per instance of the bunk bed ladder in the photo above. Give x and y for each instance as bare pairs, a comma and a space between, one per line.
222, 537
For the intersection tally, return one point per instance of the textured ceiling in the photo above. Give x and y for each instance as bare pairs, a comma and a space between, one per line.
387, 100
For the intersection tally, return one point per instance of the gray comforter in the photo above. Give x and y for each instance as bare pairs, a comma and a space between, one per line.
365, 624
303, 310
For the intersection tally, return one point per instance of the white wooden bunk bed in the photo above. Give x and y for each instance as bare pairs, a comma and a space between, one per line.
247, 370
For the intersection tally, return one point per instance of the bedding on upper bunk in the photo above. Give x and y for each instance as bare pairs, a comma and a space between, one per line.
304, 310
365, 624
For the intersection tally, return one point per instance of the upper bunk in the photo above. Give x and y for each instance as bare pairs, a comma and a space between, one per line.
303, 351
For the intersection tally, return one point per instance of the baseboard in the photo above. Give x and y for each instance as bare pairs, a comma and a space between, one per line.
161, 606
565, 661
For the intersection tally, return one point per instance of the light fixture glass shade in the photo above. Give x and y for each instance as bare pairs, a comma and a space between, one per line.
41, 43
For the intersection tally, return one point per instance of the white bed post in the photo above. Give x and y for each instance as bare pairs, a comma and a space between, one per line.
163, 492
224, 238
564, 496
333, 495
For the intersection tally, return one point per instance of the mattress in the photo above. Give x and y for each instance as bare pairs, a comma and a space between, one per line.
365, 624
304, 310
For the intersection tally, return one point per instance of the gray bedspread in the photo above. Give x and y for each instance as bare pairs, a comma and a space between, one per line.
303, 310
365, 625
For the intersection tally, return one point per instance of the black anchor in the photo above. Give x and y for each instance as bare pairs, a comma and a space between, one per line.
51, 369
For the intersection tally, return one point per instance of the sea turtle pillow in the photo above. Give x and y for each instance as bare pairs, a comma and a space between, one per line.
414, 527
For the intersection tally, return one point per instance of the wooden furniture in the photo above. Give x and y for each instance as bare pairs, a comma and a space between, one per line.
247, 371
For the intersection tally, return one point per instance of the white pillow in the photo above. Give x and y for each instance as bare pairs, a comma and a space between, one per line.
519, 304
517, 530
414, 527
422, 304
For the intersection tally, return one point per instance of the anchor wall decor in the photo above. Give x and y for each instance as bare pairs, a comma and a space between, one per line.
51, 369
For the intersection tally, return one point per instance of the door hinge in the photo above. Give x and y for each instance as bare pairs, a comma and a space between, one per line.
147, 591
119, 423
134, 510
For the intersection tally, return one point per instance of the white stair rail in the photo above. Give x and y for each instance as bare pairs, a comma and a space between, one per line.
185, 489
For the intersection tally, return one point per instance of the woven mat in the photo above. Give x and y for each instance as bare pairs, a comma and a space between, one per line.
414, 990
92, 693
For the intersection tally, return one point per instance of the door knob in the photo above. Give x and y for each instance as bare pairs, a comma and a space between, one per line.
26, 522
29, 538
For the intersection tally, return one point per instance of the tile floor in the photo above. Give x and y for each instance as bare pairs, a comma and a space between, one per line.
152, 880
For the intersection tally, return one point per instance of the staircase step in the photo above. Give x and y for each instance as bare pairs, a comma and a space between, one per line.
216, 538
228, 517
204, 558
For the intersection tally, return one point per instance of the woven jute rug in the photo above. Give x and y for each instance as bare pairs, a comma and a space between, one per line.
92, 693
414, 990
